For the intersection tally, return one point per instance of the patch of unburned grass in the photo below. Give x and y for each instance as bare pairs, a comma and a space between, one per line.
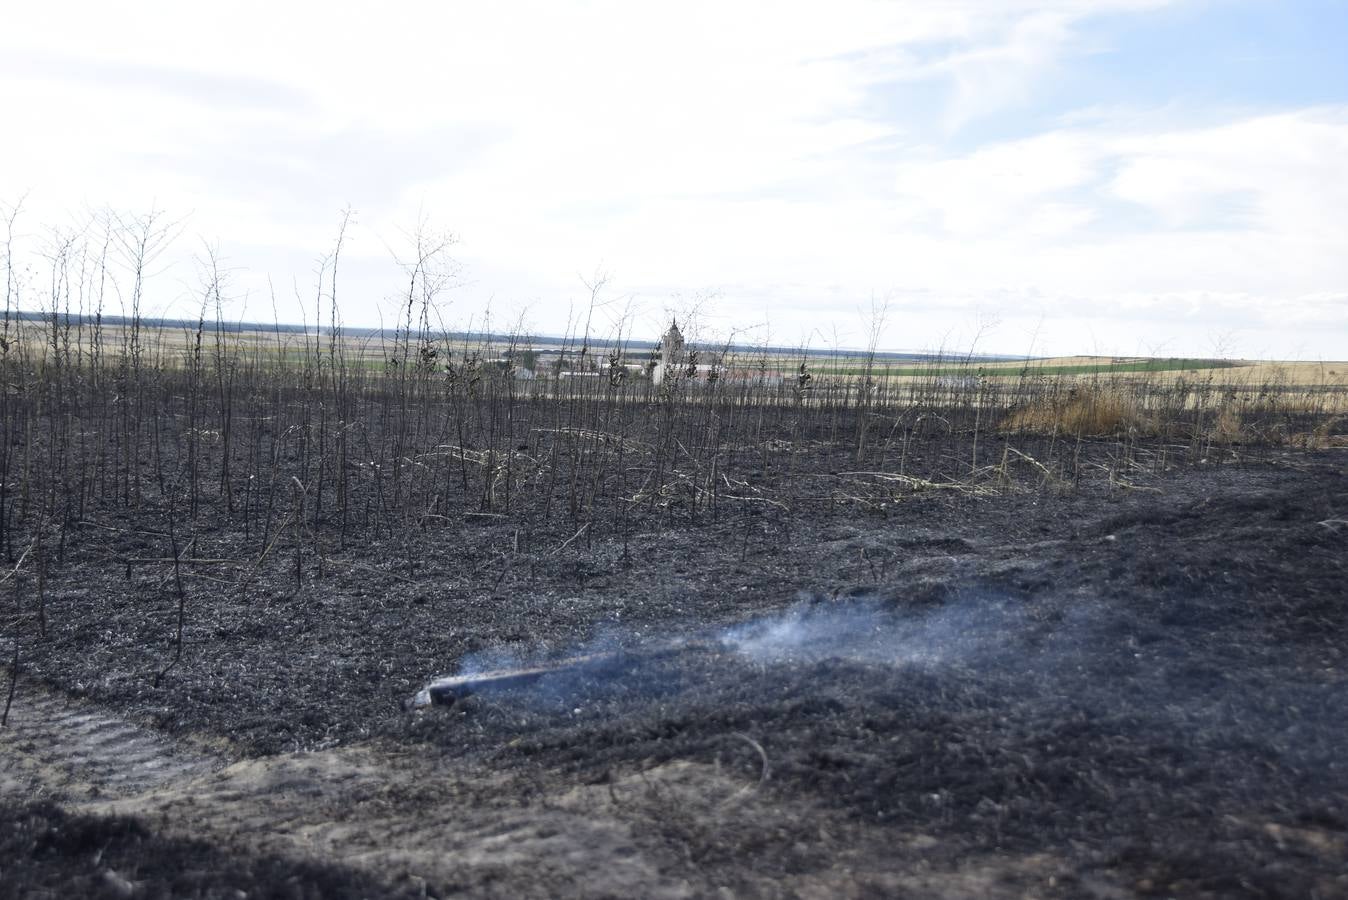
1087, 413
1227, 428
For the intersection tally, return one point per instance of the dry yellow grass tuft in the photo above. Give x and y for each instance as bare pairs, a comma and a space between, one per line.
1227, 428
1098, 412
1330, 433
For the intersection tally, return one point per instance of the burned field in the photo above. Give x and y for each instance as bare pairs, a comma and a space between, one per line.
804, 645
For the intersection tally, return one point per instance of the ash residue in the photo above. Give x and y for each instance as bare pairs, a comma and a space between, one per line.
1175, 755
1148, 687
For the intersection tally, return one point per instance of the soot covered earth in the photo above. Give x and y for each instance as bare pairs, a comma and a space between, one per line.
1104, 691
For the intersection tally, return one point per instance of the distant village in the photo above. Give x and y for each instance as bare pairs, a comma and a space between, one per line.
671, 360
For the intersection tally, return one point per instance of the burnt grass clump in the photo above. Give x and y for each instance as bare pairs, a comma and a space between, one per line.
1122, 648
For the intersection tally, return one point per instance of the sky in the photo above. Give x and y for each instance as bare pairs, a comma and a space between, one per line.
1045, 177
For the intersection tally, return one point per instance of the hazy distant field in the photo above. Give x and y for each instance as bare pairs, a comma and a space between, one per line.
361, 349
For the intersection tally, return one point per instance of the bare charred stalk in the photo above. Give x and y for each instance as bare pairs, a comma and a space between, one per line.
297, 517
13, 684
179, 590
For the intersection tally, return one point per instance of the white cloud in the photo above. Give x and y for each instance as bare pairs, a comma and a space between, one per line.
1288, 170
1251, 206
999, 187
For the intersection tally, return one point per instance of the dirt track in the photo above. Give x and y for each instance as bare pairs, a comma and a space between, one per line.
412, 823
1107, 693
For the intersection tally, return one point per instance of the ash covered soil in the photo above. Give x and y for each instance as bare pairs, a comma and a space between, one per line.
1105, 690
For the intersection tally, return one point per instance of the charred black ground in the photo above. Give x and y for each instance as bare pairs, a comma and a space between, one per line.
1147, 681
45, 852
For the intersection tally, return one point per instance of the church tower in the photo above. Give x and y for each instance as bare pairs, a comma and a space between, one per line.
671, 353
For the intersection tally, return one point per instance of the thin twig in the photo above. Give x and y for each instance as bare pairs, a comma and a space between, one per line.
764, 771
568, 541
14, 571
